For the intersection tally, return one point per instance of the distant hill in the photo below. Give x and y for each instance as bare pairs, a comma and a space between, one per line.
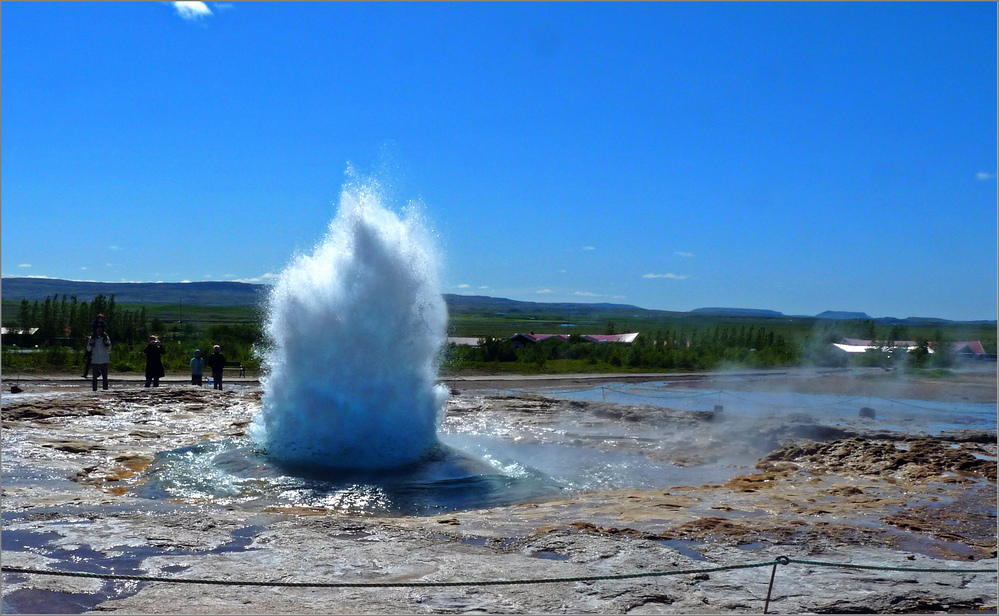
843, 316
190, 293
247, 294
738, 312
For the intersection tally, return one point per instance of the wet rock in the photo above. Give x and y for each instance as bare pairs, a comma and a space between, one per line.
75, 446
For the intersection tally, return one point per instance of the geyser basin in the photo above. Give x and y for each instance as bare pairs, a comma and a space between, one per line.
234, 473
355, 330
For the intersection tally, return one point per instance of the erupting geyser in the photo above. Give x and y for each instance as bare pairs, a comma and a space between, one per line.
355, 331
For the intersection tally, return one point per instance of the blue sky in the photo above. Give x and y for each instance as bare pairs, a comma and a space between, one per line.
797, 157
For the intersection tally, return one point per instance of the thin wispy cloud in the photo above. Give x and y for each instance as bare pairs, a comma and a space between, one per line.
591, 294
669, 275
985, 175
24, 265
463, 286
680, 253
192, 11
589, 248
114, 247
264, 278
544, 290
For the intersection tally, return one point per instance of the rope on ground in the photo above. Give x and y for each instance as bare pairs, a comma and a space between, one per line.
586, 578
819, 563
780, 560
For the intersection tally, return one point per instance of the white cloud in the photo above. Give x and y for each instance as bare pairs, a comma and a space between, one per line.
544, 290
192, 11
985, 175
223, 6
484, 287
589, 248
589, 294
463, 286
680, 253
24, 265
115, 247
262, 278
670, 275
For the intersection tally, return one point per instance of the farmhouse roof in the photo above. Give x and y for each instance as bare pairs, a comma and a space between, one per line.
859, 345
625, 338
463, 340
532, 337
8, 330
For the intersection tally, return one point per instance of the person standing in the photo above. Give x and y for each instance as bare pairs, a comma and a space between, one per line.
87, 356
217, 362
99, 346
197, 368
154, 361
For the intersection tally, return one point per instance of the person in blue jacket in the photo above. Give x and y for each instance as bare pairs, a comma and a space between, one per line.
197, 368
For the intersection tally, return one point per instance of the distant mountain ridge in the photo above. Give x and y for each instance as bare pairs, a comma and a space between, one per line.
191, 293
223, 293
738, 312
843, 316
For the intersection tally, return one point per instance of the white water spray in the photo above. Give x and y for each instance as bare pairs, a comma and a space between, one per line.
356, 328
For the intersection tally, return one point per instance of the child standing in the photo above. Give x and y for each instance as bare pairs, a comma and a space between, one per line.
197, 368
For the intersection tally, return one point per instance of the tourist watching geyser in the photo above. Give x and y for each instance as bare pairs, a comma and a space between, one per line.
154, 361
197, 368
217, 362
99, 346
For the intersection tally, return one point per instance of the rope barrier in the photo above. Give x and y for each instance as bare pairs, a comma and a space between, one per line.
819, 563
587, 578
780, 560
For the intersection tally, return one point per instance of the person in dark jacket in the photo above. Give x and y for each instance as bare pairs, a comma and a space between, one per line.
87, 356
98, 322
216, 361
154, 361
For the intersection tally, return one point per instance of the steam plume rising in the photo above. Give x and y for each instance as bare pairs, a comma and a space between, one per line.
355, 330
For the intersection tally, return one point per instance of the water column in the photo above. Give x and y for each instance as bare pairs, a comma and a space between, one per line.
355, 330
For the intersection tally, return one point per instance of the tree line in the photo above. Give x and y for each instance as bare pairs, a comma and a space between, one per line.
64, 323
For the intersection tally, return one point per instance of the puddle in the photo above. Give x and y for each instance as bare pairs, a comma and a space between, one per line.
546, 555
120, 560
685, 547
479, 541
32, 601
750, 546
